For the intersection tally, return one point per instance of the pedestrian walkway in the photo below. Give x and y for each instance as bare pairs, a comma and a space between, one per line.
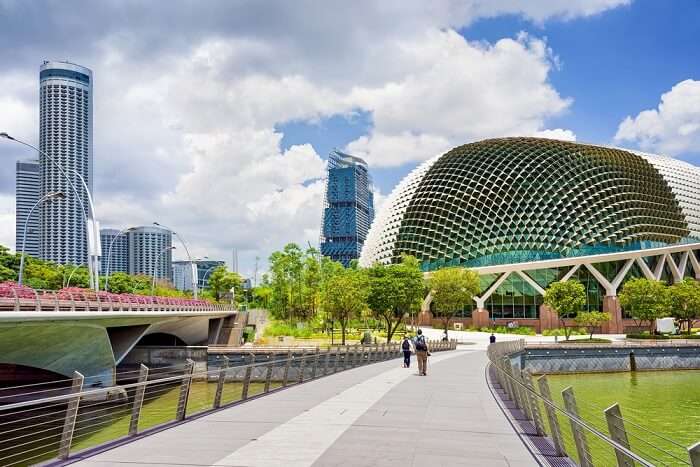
376, 415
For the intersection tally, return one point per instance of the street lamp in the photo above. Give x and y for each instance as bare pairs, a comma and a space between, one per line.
109, 253
70, 276
91, 268
206, 273
192, 265
155, 266
91, 224
47, 197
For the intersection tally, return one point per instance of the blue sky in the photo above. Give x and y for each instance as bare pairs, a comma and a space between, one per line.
217, 121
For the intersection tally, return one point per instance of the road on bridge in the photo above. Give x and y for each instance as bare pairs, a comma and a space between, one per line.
375, 415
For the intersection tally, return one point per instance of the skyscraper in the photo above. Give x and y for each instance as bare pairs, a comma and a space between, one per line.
149, 248
119, 261
65, 133
348, 207
27, 194
182, 273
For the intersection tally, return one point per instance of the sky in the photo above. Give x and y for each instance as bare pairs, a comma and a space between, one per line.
216, 118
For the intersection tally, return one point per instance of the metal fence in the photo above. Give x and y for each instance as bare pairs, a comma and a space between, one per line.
568, 433
57, 419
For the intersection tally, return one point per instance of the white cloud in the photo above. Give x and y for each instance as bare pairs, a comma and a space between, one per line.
556, 133
7, 221
672, 128
187, 105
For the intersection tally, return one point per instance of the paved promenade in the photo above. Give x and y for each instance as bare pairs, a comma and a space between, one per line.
377, 415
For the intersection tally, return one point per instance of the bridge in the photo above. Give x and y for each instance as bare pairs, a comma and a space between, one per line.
59, 332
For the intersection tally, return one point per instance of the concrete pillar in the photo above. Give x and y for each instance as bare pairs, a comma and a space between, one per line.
548, 318
611, 305
480, 318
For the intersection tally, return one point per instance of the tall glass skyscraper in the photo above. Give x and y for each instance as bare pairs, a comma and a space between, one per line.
149, 248
27, 183
65, 133
119, 261
348, 207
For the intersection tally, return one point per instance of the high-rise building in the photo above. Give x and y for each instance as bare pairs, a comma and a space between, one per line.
119, 260
348, 207
182, 273
27, 194
65, 133
149, 247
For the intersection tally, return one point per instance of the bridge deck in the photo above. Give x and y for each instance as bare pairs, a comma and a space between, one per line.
379, 414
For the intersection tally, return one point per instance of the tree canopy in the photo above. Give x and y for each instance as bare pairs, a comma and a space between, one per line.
345, 296
646, 300
566, 299
684, 302
452, 289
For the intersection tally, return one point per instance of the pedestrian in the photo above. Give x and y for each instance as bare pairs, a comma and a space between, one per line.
406, 347
422, 353
492, 339
445, 337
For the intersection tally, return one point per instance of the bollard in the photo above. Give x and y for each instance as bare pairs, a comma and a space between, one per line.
616, 427
220, 383
268, 377
534, 404
184, 390
313, 370
326, 361
694, 454
336, 360
346, 358
71, 415
385, 353
138, 401
246, 378
552, 416
363, 352
584, 456
285, 378
302, 365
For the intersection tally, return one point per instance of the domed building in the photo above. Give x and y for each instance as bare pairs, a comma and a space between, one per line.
524, 212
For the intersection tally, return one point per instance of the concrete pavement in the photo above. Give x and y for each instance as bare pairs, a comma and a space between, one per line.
376, 415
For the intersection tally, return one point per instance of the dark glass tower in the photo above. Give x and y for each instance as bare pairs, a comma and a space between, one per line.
348, 207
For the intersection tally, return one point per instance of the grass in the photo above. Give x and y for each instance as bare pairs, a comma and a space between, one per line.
595, 340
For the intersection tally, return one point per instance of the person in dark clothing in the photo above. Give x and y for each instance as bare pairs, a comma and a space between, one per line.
492, 339
406, 347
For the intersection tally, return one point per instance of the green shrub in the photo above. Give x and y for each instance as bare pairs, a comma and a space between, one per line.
595, 340
275, 329
646, 335
560, 332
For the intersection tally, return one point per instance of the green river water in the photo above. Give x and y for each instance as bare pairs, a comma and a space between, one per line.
664, 402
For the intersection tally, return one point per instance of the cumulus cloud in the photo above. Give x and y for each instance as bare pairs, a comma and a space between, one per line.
672, 128
556, 133
187, 99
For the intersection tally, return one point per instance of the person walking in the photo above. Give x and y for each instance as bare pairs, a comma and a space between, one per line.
406, 347
492, 339
422, 353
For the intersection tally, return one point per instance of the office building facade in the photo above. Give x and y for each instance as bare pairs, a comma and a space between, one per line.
182, 273
119, 259
27, 187
348, 207
150, 247
65, 133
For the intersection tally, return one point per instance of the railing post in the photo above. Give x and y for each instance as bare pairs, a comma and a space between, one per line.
694, 454
315, 367
138, 401
268, 377
524, 396
285, 379
384, 352
534, 404
552, 416
346, 360
510, 384
246, 378
336, 360
362, 355
326, 361
71, 415
184, 390
220, 383
584, 455
616, 427
302, 365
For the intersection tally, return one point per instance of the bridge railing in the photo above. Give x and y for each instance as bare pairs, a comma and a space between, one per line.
565, 428
14, 297
56, 422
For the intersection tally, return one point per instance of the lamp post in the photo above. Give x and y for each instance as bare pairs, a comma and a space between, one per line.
109, 253
206, 273
155, 266
94, 250
189, 257
72, 187
70, 276
47, 197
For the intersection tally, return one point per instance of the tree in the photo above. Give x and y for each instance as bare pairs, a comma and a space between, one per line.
452, 289
344, 296
566, 299
684, 302
394, 291
221, 281
591, 320
645, 300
